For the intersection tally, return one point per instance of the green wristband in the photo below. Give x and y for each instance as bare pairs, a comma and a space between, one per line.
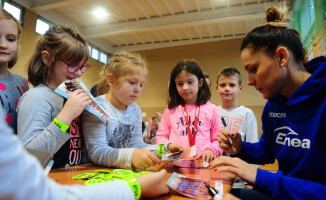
62, 126
160, 150
135, 187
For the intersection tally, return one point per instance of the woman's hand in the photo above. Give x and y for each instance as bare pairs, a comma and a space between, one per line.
244, 170
175, 147
223, 139
142, 159
74, 106
206, 155
151, 184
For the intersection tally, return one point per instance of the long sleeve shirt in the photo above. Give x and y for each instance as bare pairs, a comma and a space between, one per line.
174, 129
11, 89
112, 143
22, 176
36, 110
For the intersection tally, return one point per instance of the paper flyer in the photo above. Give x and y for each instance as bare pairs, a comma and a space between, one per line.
66, 88
188, 152
190, 187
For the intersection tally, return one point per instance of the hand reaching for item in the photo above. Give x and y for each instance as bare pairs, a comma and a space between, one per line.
206, 155
142, 159
172, 147
151, 184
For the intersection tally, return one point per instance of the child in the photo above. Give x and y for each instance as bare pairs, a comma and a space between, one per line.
22, 177
153, 131
208, 80
118, 142
189, 118
294, 120
12, 86
46, 121
237, 117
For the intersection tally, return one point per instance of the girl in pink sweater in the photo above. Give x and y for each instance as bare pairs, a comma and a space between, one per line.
189, 111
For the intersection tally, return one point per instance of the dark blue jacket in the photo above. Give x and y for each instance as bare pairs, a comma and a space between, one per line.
294, 132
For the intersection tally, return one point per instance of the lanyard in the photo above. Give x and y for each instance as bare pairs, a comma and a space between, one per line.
191, 137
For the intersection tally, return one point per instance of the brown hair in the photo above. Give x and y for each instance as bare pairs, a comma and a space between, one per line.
192, 67
4, 15
207, 77
121, 64
229, 71
155, 117
62, 43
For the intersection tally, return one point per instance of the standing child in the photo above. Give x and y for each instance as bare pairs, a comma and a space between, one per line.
119, 142
46, 121
153, 131
189, 118
12, 86
237, 117
294, 117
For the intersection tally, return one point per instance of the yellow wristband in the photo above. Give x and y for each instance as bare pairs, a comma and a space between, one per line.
160, 150
62, 126
135, 187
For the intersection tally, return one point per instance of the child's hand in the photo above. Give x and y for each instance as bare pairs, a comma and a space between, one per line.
206, 155
223, 139
74, 106
151, 185
142, 159
175, 147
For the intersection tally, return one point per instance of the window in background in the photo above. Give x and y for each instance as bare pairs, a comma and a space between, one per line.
95, 53
98, 54
41, 26
14, 9
103, 57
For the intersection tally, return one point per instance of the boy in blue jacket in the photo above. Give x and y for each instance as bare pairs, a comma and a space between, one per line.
294, 118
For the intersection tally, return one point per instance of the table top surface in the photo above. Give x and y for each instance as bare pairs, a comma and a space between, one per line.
64, 176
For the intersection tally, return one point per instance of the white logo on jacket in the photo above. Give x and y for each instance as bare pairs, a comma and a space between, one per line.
283, 138
277, 115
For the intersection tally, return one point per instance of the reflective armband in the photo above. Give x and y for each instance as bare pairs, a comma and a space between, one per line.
135, 187
160, 150
62, 126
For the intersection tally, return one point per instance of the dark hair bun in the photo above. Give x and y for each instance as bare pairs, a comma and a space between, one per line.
273, 14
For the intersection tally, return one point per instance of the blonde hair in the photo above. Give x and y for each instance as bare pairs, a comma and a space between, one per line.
4, 15
121, 65
62, 43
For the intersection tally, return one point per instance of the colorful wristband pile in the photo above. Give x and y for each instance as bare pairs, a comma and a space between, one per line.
62, 126
135, 187
160, 150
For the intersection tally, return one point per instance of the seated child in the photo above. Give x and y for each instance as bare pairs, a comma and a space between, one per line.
118, 142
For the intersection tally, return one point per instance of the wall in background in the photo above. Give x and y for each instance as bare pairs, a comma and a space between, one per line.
212, 57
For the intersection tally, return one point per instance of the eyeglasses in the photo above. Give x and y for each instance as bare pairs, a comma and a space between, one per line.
72, 68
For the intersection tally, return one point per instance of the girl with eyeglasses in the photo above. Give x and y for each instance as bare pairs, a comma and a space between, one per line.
46, 121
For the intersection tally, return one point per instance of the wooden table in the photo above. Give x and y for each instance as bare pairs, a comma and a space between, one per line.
64, 176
